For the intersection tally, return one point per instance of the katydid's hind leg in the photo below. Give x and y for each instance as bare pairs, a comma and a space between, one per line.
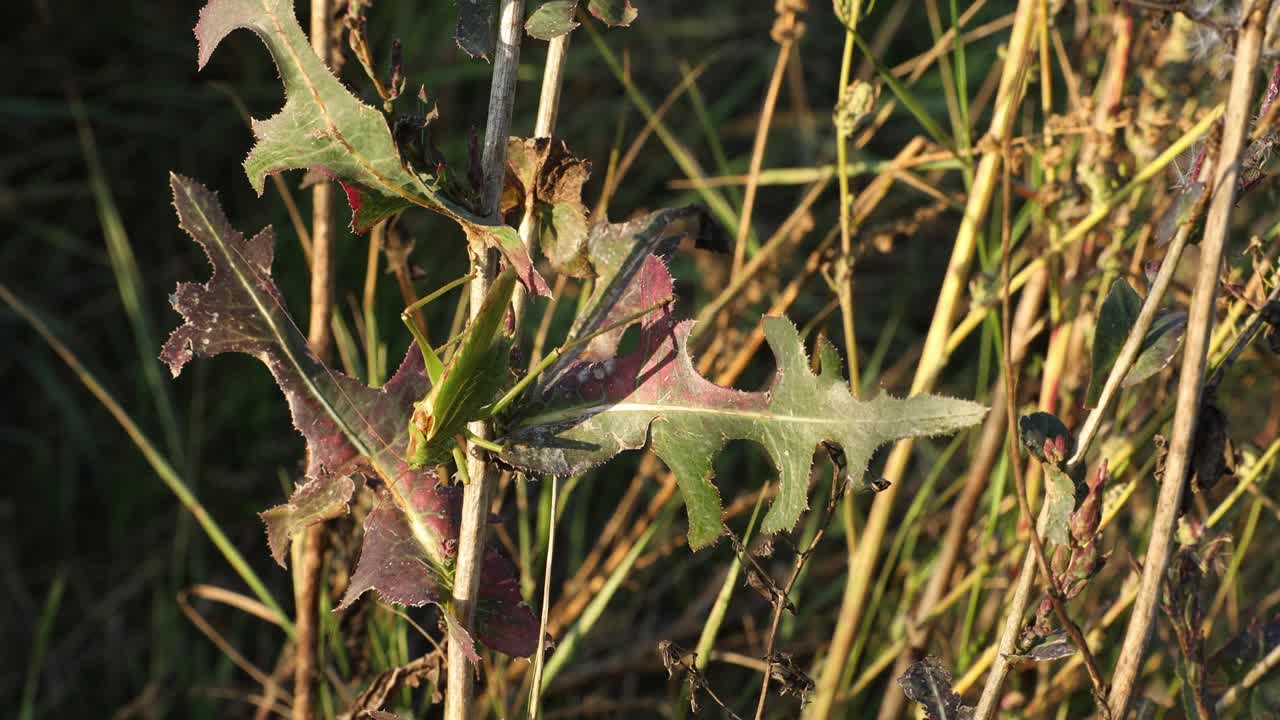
460, 460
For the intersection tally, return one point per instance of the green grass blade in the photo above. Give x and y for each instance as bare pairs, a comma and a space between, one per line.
681, 155
130, 284
153, 457
39, 645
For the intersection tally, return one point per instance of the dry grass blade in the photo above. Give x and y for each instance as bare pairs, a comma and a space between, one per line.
267, 682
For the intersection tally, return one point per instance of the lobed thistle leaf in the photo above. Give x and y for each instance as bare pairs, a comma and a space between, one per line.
593, 406
349, 429
324, 127
928, 682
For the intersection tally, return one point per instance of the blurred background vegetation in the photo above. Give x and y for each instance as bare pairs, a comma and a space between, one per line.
102, 100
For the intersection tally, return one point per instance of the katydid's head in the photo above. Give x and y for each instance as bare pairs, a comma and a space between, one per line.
425, 447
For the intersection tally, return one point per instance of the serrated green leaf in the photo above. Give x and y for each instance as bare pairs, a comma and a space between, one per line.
326, 128
1115, 319
552, 19
321, 125
656, 397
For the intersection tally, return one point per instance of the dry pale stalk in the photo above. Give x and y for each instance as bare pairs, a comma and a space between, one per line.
787, 29
1128, 354
544, 126
320, 337
1133, 343
1191, 378
475, 497
1019, 597
863, 557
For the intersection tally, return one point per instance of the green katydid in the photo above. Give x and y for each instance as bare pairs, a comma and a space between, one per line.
463, 389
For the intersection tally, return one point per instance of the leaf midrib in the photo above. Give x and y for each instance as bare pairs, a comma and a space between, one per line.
765, 416
280, 339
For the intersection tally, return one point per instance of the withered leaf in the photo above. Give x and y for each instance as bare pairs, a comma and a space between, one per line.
552, 19
928, 682
613, 12
316, 500
475, 31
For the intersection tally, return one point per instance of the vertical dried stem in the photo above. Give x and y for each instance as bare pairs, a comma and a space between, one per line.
1020, 484
475, 497
1009, 632
320, 337
844, 289
535, 688
863, 557
786, 29
1191, 378
322, 229
544, 126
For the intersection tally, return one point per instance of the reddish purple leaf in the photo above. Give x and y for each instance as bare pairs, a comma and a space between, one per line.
316, 500
349, 428
403, 572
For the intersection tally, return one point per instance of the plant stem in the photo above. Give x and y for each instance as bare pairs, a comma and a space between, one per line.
1254, 676
1020, 484
1095, 217
863, 557
844, 289
976, 480
786, 30
1191, 378
475, 496
1133, 343
780, 602
320, 338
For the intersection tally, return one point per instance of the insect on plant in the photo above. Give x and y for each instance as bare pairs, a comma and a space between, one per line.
465, 388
